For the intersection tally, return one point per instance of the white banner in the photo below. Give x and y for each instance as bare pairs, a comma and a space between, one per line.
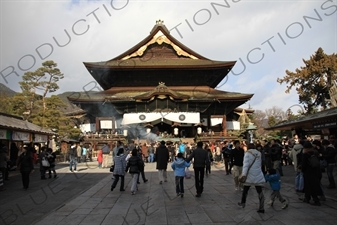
106, 124
40, 138
20, 136
233, 125
88, 127
179, 117
3, 134
216, 121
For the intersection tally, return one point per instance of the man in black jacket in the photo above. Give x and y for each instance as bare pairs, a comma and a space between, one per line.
200, 157
162, 156
236, 157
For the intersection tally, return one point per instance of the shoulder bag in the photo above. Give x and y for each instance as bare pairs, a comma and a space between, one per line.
242, 179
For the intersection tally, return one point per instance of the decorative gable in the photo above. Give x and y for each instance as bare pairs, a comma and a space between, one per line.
159, 38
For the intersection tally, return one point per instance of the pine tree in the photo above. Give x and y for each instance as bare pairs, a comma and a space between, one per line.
314, 81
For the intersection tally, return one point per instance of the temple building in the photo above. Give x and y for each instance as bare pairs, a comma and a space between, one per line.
161, 86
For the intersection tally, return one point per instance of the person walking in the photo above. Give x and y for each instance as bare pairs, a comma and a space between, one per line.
89, 152
312, 174
3, 162
106, 152
72, 158
296, 157
178, 166
151, 153
208, 161
236, 158
119, 169
79, 153
274, 180
330, 156
51, 156
142, 170
25, 163
134, 165
162, 156
200, 157
43, 157
252, 176
226, 152
100, 158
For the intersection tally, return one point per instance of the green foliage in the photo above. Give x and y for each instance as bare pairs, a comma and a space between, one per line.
314, 81
39, 109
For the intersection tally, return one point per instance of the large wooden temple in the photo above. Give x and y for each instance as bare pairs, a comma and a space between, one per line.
163, 85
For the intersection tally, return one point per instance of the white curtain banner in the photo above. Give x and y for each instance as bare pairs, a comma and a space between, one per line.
179, 117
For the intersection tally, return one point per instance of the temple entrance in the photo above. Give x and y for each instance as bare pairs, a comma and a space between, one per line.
162, 128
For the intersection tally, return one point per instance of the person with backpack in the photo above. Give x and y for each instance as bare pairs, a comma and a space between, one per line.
312, 174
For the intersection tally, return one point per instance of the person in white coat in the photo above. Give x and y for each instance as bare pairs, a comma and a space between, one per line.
251, 170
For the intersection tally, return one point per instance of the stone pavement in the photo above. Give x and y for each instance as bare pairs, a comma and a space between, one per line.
85, 198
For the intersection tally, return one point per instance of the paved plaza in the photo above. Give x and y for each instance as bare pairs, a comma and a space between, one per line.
85, 198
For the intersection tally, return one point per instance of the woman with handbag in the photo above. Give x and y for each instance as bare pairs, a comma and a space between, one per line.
252, 176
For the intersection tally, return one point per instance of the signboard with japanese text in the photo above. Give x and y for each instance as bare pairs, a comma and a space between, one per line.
21, 136
3, 134
40, 138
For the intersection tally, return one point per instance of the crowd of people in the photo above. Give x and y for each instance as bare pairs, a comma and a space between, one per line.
23, 159
251, 164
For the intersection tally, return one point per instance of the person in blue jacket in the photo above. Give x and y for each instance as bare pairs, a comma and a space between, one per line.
178, 166
274, 180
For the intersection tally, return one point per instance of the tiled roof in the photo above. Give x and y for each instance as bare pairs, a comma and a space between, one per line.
131, 93
14, 122
160, 63
329, 113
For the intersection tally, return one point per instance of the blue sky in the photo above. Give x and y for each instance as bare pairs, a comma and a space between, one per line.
221, 30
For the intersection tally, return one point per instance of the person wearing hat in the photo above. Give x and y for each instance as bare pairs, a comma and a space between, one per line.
162, 157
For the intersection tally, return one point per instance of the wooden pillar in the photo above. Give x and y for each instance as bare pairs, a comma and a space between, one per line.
209, 125
224, 125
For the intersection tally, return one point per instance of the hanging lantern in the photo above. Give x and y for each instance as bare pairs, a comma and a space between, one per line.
199, 130
148, 130
176, 131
